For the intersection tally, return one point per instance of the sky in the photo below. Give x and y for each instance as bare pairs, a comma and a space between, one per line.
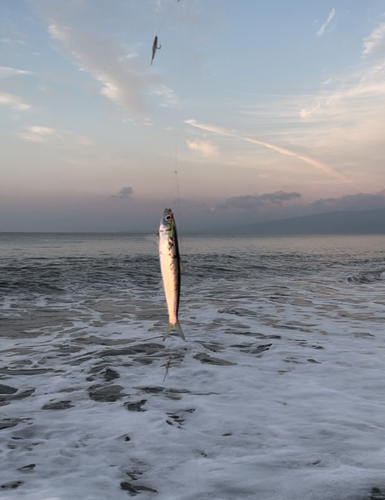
250, 111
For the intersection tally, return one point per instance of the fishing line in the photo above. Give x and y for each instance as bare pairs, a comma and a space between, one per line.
176, 120
176, 170
165, 18
169, 365
173, 5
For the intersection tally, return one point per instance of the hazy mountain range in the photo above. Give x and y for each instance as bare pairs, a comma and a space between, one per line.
339, 222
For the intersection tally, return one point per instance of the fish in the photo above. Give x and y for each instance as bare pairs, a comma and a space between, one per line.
170, 265
155, 48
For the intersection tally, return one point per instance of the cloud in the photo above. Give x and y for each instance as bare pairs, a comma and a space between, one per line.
40, 134
283, 205
347, 116
359, 201
111, 41
321, 31
124, 193
342, 123
13, 41
349, 113
314, 163
258, 202
6, 72
14, 102
204, 147
375, 42
168, 98
122, 77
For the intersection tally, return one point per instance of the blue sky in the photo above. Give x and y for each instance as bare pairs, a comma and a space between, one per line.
265, 110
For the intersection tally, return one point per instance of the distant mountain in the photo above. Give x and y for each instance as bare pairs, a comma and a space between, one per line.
341, 222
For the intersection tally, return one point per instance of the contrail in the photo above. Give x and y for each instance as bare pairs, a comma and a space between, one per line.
330, 17
328, 170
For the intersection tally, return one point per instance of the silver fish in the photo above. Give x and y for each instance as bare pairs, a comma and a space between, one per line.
170, 267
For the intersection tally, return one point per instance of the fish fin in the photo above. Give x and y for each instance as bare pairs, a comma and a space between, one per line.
179, 330
181, 266
174, 327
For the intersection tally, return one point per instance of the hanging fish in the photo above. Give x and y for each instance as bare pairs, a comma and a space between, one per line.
171, 269
155, 48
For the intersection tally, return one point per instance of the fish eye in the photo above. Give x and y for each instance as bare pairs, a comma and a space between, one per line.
168, 217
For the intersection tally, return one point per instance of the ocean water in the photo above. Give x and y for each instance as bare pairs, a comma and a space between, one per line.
278, 392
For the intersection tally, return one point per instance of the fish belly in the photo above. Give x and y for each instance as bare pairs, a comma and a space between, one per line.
170, 276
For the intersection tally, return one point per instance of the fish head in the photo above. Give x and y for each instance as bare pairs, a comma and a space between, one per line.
167, 222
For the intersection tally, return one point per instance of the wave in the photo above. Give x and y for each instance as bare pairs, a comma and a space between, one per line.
367, 277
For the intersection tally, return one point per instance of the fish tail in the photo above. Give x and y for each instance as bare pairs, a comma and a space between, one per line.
174, 327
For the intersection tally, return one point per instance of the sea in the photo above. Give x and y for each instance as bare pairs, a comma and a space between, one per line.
277, 393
